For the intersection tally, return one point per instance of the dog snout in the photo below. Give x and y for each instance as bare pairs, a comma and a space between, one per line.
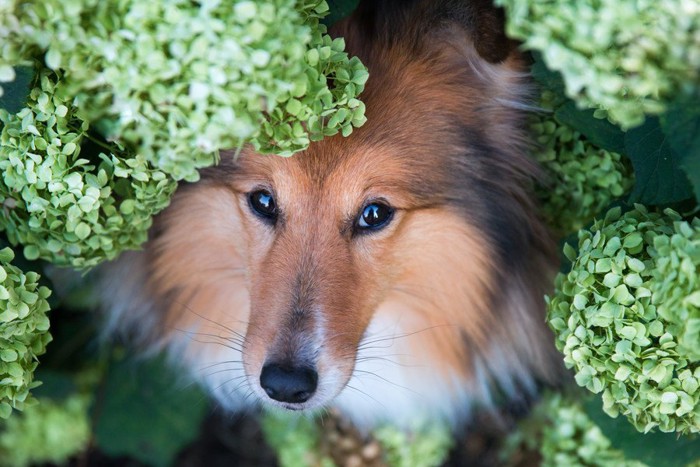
287, 383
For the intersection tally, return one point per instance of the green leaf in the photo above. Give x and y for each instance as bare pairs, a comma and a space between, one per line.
146, 413
682, 127
657, 167
15, 93
599, 132
339, 9
654, 449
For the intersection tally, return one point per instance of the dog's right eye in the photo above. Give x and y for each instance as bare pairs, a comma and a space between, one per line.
263, 204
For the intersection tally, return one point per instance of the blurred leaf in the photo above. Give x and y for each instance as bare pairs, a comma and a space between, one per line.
657, 167
654, 449
600, 132
681, 125
548, 79
15, 93
339, 9
145, 412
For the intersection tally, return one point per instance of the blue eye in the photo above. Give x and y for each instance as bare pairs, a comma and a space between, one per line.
263, 204
375, 216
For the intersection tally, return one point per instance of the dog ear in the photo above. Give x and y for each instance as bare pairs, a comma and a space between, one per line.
415, 21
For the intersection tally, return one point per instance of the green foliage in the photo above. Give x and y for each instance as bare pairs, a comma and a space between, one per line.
626, 58
664, 151
23, 333
582, 179
681, 125
426, 445
176, 81
64, 208
626, 317
657, 165
564, 435
295, 439
655, 448
49, 432
146, 412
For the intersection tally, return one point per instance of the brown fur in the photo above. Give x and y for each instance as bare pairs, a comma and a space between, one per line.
463, 265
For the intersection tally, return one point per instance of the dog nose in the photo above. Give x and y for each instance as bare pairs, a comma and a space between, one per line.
288, 383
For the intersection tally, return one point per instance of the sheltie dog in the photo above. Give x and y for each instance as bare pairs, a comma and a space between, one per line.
397, 274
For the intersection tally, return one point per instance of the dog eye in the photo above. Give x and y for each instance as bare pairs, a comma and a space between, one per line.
374, 216
263, 204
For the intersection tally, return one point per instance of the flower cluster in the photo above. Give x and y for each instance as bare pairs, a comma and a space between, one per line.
177, 81
49, 432
626, 58
626, 317
64, 208
582, 179
561, 432
23, 332
332, 440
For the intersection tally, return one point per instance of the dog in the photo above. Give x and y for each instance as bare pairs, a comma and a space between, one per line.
396, 274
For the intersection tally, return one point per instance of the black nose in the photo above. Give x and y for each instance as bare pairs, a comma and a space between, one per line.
288, 383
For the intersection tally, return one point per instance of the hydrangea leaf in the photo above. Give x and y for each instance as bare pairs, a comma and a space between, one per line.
339, 9
657, 166
682, 126
14, 94
173, 409
599, 131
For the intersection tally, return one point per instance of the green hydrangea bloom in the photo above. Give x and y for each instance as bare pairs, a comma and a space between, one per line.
297, 442
49, 432
564, 435
295, 439
626, 317
427, 445
176, 81
64, 208
24, 332
625, 57
581, 179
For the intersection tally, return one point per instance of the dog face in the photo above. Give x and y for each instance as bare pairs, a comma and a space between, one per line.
395, 272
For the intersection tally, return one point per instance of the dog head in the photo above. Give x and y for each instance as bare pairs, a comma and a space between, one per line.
277, 270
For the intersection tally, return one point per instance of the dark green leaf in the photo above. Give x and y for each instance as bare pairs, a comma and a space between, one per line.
681, 125
599, 132
548, 79
146, 413
654, 449
657, 167
339, 9
15, 93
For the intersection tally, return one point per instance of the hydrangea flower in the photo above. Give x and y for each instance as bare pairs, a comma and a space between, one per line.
626, 58
176, 81
24, 332
49, 432
626, 317
563, 434
64, 208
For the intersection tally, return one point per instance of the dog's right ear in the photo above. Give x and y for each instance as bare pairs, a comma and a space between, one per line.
413, 21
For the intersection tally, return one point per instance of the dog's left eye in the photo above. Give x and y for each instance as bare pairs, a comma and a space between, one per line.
374, 216
263, 204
